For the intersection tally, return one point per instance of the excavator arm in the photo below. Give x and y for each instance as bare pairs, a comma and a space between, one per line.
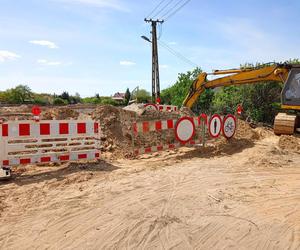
276, 72
288, 74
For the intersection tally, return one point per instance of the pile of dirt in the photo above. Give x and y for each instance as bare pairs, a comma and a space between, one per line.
289, 142
185, 111
117, 135
61, 113
116, 129
245, 131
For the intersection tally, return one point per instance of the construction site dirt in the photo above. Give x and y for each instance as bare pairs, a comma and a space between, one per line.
241, 193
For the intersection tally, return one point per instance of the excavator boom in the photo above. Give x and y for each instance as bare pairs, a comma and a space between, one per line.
288, 74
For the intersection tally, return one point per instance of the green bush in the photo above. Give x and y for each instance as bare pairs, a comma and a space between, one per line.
59, 101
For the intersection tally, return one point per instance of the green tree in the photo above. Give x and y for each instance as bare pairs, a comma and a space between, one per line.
65, 96
142, 96
59, 101
176, 94
20, 94
127, 96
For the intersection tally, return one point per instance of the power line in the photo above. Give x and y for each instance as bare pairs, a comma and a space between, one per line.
163, 8
157, 6
170, 10
176, 10
178, 55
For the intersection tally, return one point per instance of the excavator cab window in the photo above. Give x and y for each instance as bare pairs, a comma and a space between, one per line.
291, 91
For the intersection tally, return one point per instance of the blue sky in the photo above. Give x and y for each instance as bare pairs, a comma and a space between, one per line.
94, 46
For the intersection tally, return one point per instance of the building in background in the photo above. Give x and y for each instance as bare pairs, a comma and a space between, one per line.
119, 97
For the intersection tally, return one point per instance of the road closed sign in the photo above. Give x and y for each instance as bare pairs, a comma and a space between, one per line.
229, 126
184, 129
215, 126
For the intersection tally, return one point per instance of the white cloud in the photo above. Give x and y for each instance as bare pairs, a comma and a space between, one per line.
111, 4
49, 63
8, 56
127, 63
50, 45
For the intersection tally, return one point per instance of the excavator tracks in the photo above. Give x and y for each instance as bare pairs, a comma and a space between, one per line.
284, 124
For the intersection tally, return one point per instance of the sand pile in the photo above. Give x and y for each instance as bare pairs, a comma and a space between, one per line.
117, 134
116, 128
145, 114
16, 109
289, 142
246, 132
61, 113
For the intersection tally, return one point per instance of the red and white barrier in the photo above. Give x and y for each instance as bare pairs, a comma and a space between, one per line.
184, 130
158, 125
160, 107
167, 108
188, 131
27, 142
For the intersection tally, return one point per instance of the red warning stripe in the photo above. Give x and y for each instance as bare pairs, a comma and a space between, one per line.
44, 129
64, 157
81, 128
25, 161
4, 129
24, 129
170, 124
145, 127
82, 156
64, 128
46, 159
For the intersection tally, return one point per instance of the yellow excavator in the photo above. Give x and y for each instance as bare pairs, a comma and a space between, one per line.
288, 74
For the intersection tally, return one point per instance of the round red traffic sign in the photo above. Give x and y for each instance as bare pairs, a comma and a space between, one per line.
36, 111
150, 106
184, 129
215, 126
229, 126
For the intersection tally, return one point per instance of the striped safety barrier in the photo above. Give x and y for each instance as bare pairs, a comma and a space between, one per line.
158, 125
184, 131
27, 142
160, 107
152, 149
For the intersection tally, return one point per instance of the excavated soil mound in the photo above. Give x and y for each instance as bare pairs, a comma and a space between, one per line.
245, 131
116, 128
289, 142
62, 113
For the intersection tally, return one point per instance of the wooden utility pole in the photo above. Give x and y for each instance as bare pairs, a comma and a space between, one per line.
155, 66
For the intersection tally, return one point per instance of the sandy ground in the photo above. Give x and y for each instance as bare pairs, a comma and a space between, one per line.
238, 197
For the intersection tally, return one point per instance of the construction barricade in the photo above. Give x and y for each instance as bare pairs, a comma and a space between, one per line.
28, 142
160, 107
158, 135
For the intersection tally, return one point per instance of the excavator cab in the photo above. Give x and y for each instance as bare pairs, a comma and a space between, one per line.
291, 91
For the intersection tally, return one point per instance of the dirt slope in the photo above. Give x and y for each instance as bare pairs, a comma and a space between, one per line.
244, 195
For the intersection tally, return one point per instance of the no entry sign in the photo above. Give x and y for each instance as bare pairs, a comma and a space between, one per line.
215, 126
229, 126
184, 129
